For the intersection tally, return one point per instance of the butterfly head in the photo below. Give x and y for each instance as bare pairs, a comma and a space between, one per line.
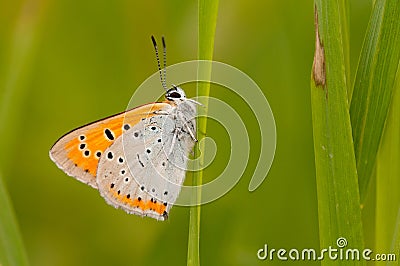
175, 94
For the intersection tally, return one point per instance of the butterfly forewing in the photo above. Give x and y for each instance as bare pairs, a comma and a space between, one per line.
78, 152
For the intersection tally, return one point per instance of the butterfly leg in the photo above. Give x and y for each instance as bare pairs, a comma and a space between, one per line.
173, 141
191, 133
188, 128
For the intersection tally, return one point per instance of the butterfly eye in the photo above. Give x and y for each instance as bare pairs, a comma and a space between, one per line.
174, 94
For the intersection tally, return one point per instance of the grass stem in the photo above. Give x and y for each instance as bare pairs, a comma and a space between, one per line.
208, 11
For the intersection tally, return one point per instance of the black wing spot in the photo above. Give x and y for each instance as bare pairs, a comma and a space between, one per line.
123, 171
82, 146
142, 188
98, 154
127, 126
82, 137
109, 134
119, 192
165, 193
159, 140
128, 196
165, 214
112, 185
120, 159
126, 179
139, 198
86, 153
110, 155
139, 160
136, 134
148, 151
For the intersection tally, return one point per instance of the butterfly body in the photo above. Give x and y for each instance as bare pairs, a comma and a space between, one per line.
136, 159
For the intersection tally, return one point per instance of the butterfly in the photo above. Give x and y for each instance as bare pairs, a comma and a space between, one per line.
136, 159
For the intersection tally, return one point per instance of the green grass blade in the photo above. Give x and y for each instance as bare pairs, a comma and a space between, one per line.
12, 251
395, 247
339, 211
373, 86
344, 11
388, 181
208, 12
13, 88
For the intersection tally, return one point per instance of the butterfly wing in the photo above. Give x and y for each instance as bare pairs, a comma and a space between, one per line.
143, 170
77, 153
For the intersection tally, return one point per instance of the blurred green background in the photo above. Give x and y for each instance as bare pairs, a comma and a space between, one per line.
66, 63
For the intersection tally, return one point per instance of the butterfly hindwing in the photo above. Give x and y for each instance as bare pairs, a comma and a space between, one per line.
78, 152
143, 170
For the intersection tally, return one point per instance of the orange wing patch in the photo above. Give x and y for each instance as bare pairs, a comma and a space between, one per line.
141, 205
77, 153
86, 149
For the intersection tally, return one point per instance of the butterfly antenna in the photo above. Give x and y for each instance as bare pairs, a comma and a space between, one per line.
158, 63
165, 61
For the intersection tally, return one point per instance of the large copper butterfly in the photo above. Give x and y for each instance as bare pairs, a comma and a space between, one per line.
136, 159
